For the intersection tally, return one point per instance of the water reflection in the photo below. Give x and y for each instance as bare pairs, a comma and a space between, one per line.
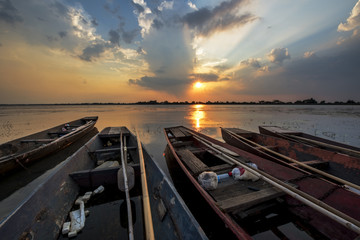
197, 116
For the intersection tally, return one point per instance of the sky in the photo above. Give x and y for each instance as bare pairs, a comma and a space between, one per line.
63, 51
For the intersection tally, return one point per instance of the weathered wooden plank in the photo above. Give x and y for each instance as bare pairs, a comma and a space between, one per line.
250, 199
177, 132
194, 163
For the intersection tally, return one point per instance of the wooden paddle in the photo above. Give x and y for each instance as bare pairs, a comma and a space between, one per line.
149, 229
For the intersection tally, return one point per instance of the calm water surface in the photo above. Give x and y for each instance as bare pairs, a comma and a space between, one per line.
340, 123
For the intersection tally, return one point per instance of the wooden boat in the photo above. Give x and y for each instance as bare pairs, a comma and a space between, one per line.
42, 214
311, 140
283, 195
312, 158
21, 152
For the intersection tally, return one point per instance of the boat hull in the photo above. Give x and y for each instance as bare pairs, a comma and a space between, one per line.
21, 152
332, 194
42, 214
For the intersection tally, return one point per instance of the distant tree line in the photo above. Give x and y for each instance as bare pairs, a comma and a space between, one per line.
310, 101
262, 102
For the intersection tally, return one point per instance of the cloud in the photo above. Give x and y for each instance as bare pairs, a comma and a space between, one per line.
138, 7
309, 54
353, 20
162, 84
223, 17
326, 76
192, 5
205, 77
157, 24
8, 13
165, 5
62, 34
129, 36
278, 55
114, 37
92, 52
169, 55
144, 15
255, 63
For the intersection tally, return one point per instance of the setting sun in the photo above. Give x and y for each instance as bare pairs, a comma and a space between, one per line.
198, 85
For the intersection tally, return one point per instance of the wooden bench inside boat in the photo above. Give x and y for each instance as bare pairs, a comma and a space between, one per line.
247, 200
235, 196
194, 163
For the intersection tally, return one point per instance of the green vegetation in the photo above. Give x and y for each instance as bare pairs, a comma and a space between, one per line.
309, 101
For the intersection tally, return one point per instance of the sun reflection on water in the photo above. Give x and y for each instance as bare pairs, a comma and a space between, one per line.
197, 115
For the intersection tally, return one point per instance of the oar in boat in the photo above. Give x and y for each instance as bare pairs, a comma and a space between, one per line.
149, 230
123, 182
339, 180
303, 197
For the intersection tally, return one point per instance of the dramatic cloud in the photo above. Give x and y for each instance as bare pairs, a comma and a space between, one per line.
353, 21
278, 55
320, 76
92, 52
169, 56
223, 17
8, 13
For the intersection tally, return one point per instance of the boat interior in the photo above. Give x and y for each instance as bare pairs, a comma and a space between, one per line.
256, 206
110, 205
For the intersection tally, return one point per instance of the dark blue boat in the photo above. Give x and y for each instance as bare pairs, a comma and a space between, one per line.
42, 214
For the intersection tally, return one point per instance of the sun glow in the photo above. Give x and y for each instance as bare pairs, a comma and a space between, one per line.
198, 85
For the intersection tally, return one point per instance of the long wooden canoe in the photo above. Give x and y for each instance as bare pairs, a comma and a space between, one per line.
336, 164
42, 214
279, 198
311, 140
21, 152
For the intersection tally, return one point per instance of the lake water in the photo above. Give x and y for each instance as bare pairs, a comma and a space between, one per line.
339, 123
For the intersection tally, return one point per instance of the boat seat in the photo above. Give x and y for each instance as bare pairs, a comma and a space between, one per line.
194, 163
177, 132
244, 201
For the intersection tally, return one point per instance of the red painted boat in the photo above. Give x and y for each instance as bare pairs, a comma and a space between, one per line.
334, 163
242, 204
311, 140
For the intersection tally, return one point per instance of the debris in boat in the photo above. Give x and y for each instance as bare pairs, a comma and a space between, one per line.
100, 189
240, 173
208, 180
77, 217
